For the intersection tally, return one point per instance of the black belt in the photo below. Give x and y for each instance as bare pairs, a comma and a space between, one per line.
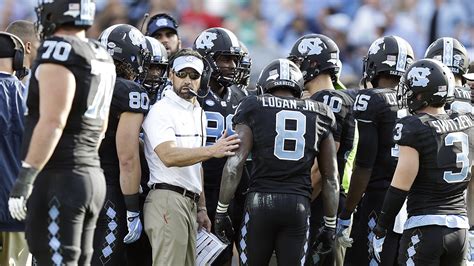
180, 190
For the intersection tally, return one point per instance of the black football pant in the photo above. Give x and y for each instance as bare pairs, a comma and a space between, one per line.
433, 245
275, 222
62, 214
109, 248
362, 233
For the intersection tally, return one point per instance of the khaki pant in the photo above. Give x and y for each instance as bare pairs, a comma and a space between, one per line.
14, 251
170, 223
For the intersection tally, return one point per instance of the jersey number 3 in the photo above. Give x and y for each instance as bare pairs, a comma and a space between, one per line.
462, 157
284, 134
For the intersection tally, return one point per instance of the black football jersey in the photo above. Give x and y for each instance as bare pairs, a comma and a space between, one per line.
462, 100
377, 110
128, 97
286, 137
94, 73
341, 105
445, 144
219, 113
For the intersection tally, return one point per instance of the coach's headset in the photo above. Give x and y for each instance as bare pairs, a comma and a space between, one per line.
18, 56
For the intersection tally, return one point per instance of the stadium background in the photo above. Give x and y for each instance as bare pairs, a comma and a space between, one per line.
270, 27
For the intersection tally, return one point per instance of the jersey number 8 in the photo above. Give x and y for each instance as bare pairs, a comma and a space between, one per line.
284, 134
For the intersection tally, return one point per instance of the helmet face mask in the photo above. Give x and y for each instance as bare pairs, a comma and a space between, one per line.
155, 73
281, 73
426, 82
53, 14
126, 44
214, 43
228, 73
314, 54
245, 67
387, 55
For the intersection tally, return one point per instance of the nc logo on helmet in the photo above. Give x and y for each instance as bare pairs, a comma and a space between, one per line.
137, 38
375, 47
205, 40
310, 46
417, 76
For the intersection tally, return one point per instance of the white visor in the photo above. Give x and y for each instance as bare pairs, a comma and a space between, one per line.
190, 61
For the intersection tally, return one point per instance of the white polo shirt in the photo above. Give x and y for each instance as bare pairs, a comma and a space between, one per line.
174, 119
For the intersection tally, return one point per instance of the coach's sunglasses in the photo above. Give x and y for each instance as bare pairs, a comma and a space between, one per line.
183, 74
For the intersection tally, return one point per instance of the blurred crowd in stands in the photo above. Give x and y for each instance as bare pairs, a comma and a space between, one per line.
270, 27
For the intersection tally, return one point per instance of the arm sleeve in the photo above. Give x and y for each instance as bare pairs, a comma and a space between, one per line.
404, 132
365, 113
158, 125
325, 124
366, 106
60, 51
368, 144
245, 108
130, 97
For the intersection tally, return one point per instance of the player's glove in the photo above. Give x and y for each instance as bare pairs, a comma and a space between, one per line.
324, 240
133, 218
134, 227
377, 241
21, 191
342, 232
223, 227
471, 244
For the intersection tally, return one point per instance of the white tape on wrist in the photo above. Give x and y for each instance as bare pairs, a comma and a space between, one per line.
222, 208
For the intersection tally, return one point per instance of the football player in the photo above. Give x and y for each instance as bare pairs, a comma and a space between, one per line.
223, 53
376, 111
433, 171
318, 58
68, 106
284, 134
155, 74
119, 154
453, 54
139, 252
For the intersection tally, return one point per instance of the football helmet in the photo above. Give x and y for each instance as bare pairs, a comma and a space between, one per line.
314, 54
245, 67
52, 14
390, 55
450, 52
155, 73
426, 82
126, 44
215, 42
281, 73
